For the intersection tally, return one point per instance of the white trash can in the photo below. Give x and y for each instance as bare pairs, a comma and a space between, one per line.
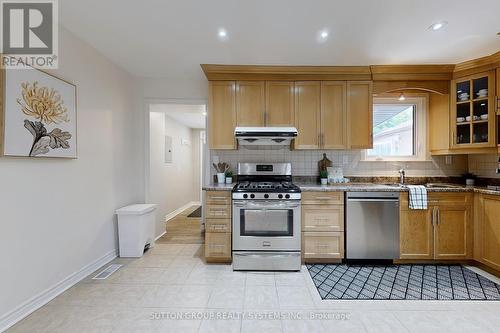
136, 229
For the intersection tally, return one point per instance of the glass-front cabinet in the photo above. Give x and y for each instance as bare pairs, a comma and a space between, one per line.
473, 114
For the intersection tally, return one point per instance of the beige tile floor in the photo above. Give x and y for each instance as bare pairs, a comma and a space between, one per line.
171, 289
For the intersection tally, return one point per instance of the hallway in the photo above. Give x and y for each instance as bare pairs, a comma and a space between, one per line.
183, 229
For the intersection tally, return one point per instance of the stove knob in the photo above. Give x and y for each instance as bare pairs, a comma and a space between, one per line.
266, 196
245, 196
280, 196
287, 196
252, 195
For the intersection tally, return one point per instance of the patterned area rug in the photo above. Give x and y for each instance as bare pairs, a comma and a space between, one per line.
399, 282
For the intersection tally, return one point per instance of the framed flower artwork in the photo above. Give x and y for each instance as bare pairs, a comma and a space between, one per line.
37, 115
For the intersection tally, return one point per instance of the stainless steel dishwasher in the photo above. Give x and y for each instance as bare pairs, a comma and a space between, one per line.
372, 225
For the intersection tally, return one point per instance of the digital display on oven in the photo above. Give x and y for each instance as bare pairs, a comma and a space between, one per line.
264, 167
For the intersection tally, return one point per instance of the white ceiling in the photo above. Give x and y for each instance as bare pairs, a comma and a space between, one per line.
158, 38
187, 115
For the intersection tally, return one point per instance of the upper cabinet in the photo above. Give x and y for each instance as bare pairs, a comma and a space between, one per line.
473, 118
222, 114
333, 115
497, 100
308, 114
250, 103
360, 114
279, 103
321, 115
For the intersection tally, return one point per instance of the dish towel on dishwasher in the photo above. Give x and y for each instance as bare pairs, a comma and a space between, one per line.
417, 197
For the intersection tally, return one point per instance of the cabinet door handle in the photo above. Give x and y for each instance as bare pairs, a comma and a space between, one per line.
323, 198
433, 218
438, 216
218, 198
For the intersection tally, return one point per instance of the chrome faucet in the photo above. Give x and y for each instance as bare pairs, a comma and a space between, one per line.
401, 176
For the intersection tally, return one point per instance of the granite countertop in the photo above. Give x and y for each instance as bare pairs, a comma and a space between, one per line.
359, 187
218, 187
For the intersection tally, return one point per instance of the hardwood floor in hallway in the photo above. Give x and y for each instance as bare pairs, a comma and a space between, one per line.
183, 229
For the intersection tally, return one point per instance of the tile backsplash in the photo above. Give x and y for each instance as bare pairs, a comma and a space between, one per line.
484, 165
305, 162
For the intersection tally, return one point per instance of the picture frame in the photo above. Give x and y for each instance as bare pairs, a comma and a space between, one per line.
38, 115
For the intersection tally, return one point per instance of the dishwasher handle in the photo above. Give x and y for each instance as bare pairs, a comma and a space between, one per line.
373, 199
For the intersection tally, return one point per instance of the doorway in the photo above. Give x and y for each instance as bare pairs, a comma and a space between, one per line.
177, 149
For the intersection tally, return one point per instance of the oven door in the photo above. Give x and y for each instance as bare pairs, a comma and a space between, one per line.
266, 225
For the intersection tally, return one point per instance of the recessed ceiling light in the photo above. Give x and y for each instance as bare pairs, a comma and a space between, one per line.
204, 113
438, 25
402, 97
322, 36
222, 33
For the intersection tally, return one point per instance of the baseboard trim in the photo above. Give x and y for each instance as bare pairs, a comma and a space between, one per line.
31, 305
161, 235
176, 212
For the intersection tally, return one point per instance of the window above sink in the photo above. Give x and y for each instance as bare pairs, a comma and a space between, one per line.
399, 129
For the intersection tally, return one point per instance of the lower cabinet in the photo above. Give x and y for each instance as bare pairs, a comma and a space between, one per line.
415, 234
218, 246
323, 245
217, 214
322, 226
487, 230
442, 232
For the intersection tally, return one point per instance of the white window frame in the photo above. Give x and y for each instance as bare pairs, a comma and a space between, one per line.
421, 101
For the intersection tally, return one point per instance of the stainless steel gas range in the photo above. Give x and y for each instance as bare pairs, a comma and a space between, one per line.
266, 218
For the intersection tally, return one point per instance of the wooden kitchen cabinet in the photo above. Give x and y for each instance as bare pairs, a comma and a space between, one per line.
217, 218
221, 114
323, 218
439, 124
320, 115
308, 114
452, 232
497, 101
323, 246
322, 226
333, 115
442, 232
279, 103
415, 234
487, 230
360, 114
250, 103
473, 119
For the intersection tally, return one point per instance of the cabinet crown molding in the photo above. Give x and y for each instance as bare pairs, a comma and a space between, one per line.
294, 73
416, 72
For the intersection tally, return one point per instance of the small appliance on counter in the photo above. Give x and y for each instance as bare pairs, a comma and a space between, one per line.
266, 218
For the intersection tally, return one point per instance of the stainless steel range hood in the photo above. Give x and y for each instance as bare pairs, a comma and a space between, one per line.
265, 136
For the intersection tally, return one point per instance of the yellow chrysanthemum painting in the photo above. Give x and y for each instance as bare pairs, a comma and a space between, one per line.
40, 115
43, 103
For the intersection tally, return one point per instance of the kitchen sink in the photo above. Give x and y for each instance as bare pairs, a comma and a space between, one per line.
434, 185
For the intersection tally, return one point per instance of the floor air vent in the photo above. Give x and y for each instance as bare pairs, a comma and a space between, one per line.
107, 272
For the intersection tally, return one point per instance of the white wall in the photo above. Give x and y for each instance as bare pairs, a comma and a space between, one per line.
172, 185
57, 216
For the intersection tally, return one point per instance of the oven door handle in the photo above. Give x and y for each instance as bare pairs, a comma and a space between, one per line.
266, 204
